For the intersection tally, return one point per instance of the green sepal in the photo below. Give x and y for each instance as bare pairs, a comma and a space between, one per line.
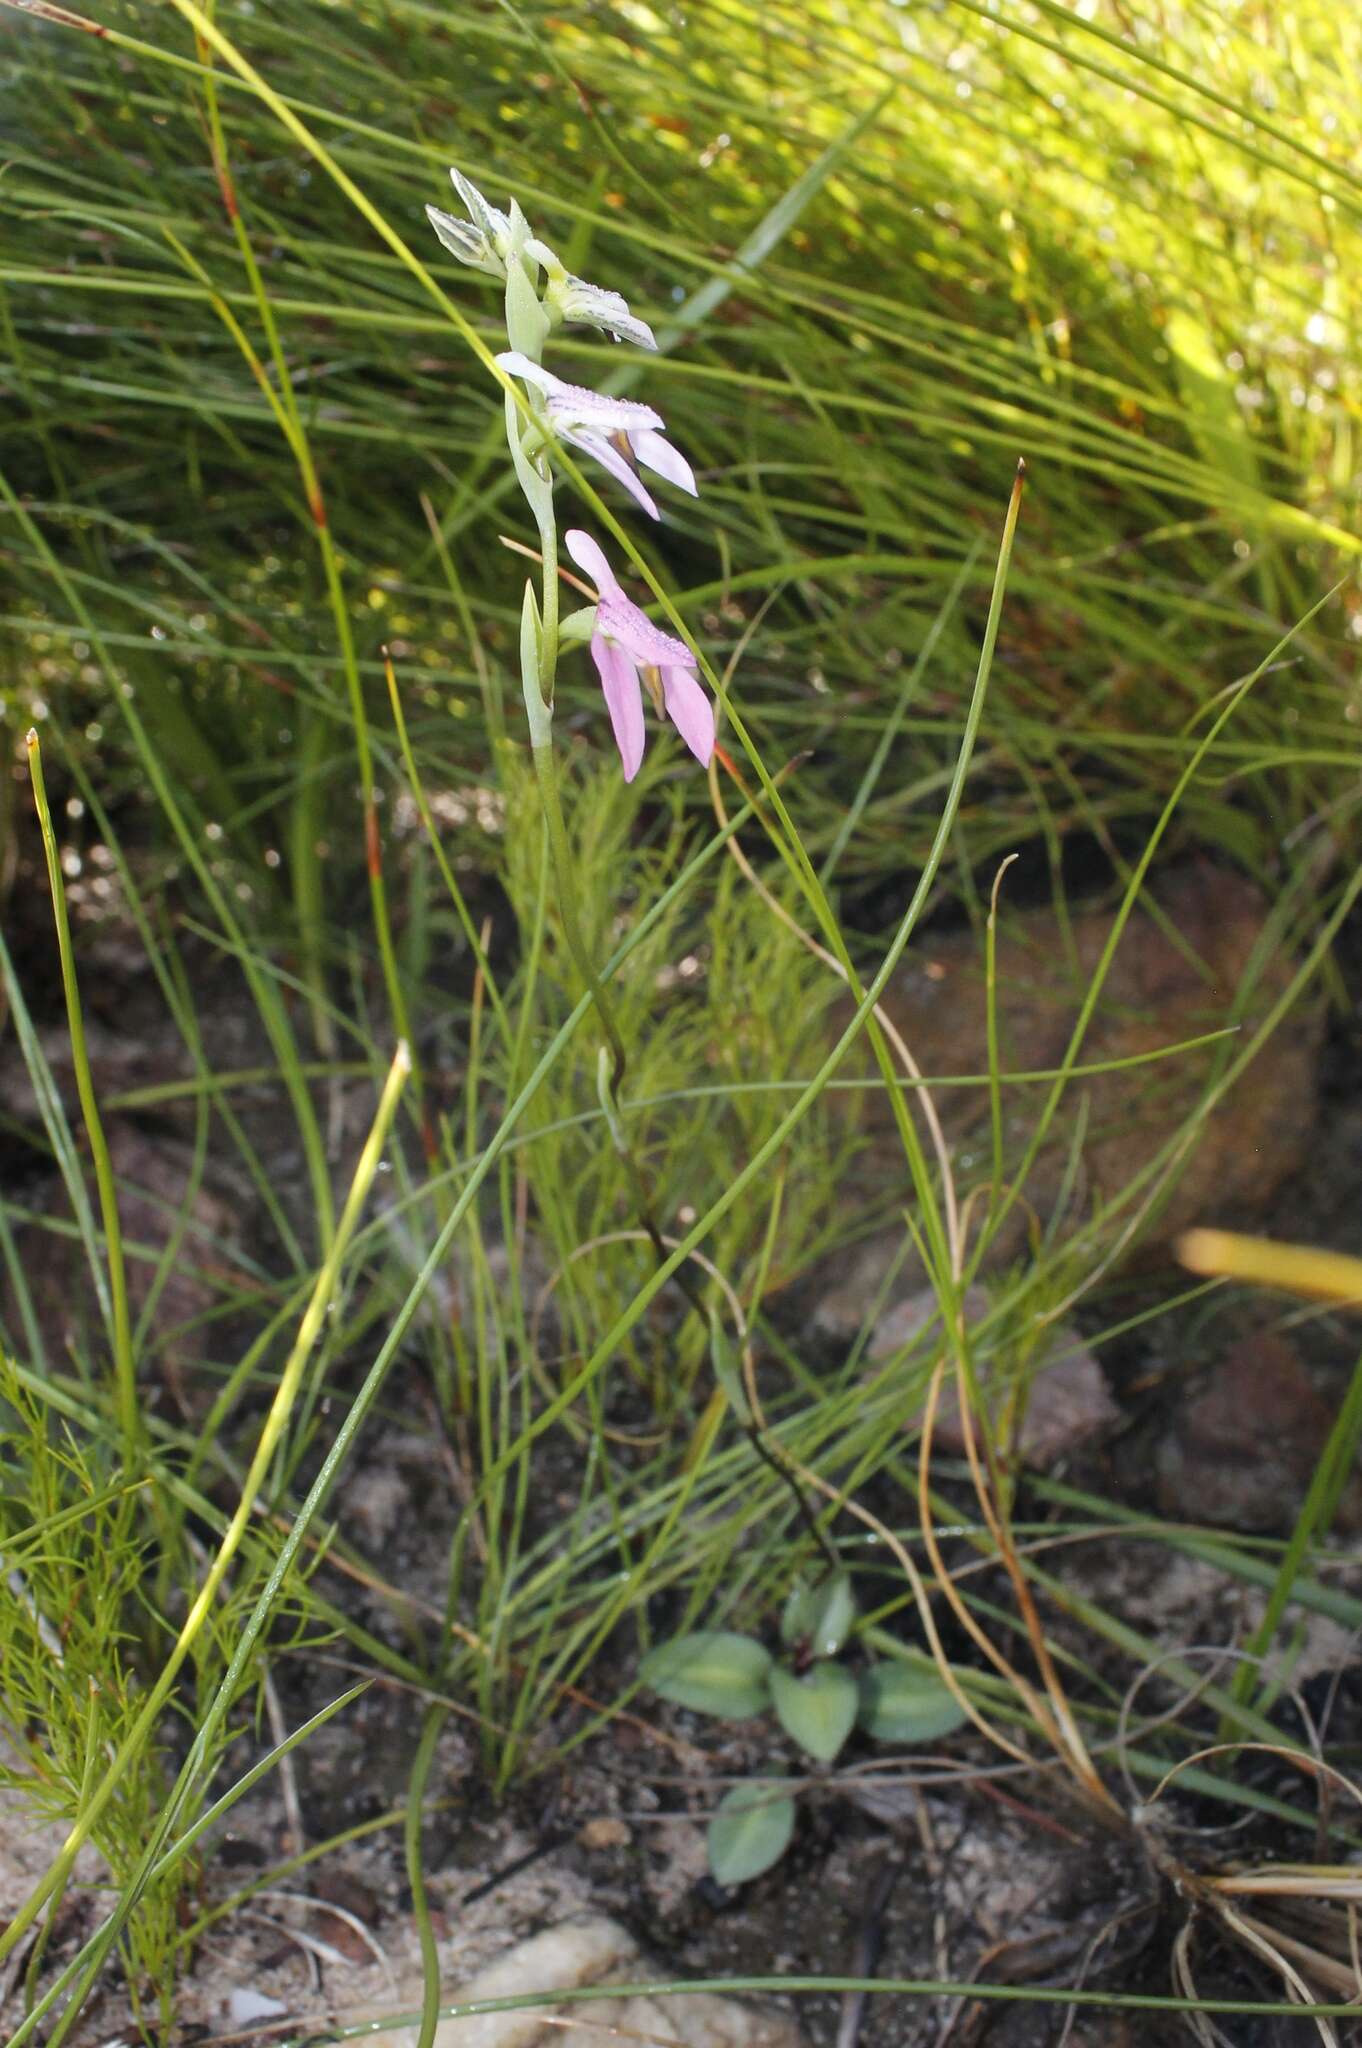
750, 1830
713, 1672
818, 1710
539, 713
578, 626
527, 324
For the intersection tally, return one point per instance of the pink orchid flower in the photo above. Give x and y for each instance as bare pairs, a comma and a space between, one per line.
610, 430
625, 641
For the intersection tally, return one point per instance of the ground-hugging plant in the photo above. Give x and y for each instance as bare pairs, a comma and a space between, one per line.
817, 1698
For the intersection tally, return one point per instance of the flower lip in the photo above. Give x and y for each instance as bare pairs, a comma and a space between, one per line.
616, 432
575, 404
623, 701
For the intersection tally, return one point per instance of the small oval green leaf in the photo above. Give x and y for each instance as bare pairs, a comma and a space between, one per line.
821, 1615
750, 1831
714, 1672
819, 1710
902, 1703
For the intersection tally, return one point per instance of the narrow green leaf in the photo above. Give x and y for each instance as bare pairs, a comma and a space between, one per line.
1215, 417
728, 1369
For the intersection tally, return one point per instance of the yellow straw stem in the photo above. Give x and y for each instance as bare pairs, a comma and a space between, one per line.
120, 1330
1295, 1268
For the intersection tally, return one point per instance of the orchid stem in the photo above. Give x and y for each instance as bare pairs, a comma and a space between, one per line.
548, 611
546, 770
527, 331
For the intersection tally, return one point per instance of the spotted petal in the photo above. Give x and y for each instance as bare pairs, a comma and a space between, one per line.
574, 404
590, 305
621, 618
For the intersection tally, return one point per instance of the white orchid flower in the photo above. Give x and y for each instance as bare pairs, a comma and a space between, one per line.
487, 239
616, 432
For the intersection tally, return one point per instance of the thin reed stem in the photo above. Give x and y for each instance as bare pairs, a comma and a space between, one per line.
124, 1362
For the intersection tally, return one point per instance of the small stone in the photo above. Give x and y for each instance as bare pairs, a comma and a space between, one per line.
604, 1832
1242, 1452
559, 1959
1068, 1402
246, 2008
592, 1951
691, 2019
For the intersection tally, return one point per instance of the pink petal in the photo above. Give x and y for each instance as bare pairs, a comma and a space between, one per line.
690, 711
609, 457
590, 558
623, 700
620, 619
657, 454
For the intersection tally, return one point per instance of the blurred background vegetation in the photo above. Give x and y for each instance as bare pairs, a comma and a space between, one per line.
1120, 243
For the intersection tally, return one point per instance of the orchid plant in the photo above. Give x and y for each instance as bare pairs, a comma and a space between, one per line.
817, 1698
629, 651
631, 654
618, 433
